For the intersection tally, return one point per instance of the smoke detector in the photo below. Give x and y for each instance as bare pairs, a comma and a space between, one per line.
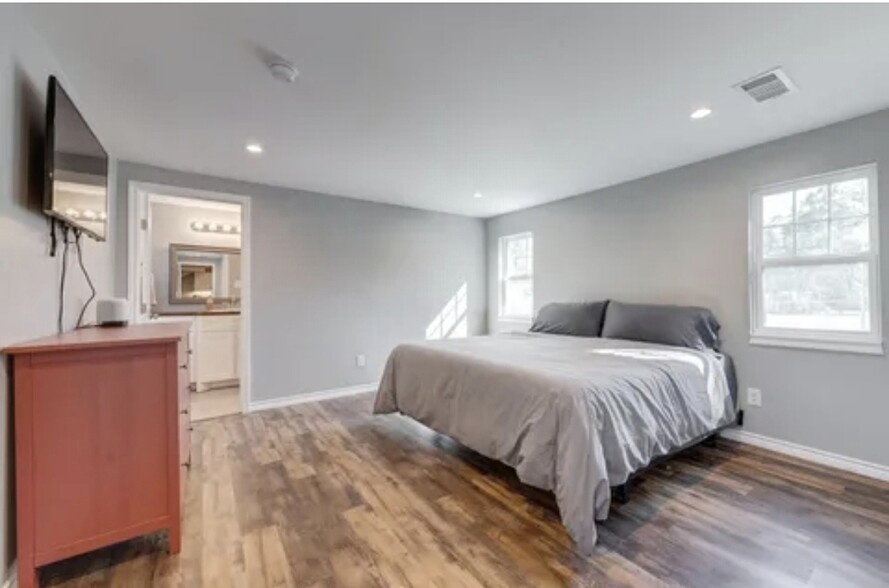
767, 86
283, 71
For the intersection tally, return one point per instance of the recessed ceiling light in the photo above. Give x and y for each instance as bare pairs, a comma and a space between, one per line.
701, 113
477, 195
254, 148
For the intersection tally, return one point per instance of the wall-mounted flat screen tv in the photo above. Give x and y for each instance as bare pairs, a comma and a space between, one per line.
76, 190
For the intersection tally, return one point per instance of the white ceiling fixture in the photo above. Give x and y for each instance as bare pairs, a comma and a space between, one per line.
254, 148
767, 85
283, 71
398, 110
477, 195
701, 113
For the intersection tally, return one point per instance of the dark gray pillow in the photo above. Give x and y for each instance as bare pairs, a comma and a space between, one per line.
680, 326
581, 319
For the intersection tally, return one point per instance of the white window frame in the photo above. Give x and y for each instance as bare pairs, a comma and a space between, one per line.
870, 342
501, 277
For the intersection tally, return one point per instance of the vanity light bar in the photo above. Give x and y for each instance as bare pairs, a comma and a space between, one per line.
210, 227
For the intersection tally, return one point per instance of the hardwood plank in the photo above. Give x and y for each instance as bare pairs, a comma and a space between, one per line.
327, 495
265, 560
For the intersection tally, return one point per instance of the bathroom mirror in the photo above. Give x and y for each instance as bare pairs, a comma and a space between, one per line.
199, 273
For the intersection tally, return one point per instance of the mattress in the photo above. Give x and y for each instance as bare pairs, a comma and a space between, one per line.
572, 415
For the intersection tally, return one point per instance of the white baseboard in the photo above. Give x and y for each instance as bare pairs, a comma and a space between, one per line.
310, 397
840, 462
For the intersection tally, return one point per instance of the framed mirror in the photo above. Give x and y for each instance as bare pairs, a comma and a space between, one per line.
199, 273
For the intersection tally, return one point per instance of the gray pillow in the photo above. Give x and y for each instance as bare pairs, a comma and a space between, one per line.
581, 319
680, 326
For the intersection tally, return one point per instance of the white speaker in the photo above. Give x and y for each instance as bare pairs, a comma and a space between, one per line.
112, 312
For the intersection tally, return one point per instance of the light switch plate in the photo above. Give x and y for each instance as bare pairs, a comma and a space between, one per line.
360, 360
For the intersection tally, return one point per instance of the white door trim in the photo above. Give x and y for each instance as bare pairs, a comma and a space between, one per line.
136, 191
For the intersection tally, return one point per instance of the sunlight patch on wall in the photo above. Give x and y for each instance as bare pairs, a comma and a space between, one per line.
451, 322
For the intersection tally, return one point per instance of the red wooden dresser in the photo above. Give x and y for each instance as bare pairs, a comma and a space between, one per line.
101, 437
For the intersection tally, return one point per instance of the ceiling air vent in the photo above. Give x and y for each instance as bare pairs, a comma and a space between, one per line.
767, 86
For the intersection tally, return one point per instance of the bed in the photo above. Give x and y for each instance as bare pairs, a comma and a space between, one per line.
573, 415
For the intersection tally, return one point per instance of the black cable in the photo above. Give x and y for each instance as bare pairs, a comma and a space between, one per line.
86, 275
61, 322
52, 237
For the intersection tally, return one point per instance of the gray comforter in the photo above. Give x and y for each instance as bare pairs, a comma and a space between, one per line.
572, 415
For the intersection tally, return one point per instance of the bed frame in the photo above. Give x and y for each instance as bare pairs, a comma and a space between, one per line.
621, 493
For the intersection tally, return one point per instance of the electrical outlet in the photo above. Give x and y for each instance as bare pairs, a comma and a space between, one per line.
360, 360
754, 397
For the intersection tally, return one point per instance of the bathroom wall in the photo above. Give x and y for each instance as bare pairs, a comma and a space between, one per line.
171, 224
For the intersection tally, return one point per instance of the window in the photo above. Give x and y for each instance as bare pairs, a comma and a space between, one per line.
516, 277
814, 263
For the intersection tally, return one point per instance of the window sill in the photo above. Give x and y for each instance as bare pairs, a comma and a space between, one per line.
862, 347
515, 320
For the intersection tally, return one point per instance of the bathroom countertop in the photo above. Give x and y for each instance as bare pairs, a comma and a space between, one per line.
223, 312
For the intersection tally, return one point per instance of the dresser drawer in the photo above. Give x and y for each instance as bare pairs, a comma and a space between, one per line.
185, 439
183, 389
98, 439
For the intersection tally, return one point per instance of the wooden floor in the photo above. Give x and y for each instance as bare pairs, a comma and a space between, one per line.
325, 495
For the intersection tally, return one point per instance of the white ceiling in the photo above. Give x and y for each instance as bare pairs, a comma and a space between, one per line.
424, 105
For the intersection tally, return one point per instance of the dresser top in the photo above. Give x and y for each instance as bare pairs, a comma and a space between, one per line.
96, 337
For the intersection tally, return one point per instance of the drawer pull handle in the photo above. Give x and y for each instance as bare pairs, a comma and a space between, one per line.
183, 411
184, 366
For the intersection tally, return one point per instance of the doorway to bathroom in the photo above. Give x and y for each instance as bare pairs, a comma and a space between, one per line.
189, 262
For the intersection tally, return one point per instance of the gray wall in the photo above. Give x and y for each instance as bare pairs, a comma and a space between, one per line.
171, 224
681, 237
29, 278
334, 277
